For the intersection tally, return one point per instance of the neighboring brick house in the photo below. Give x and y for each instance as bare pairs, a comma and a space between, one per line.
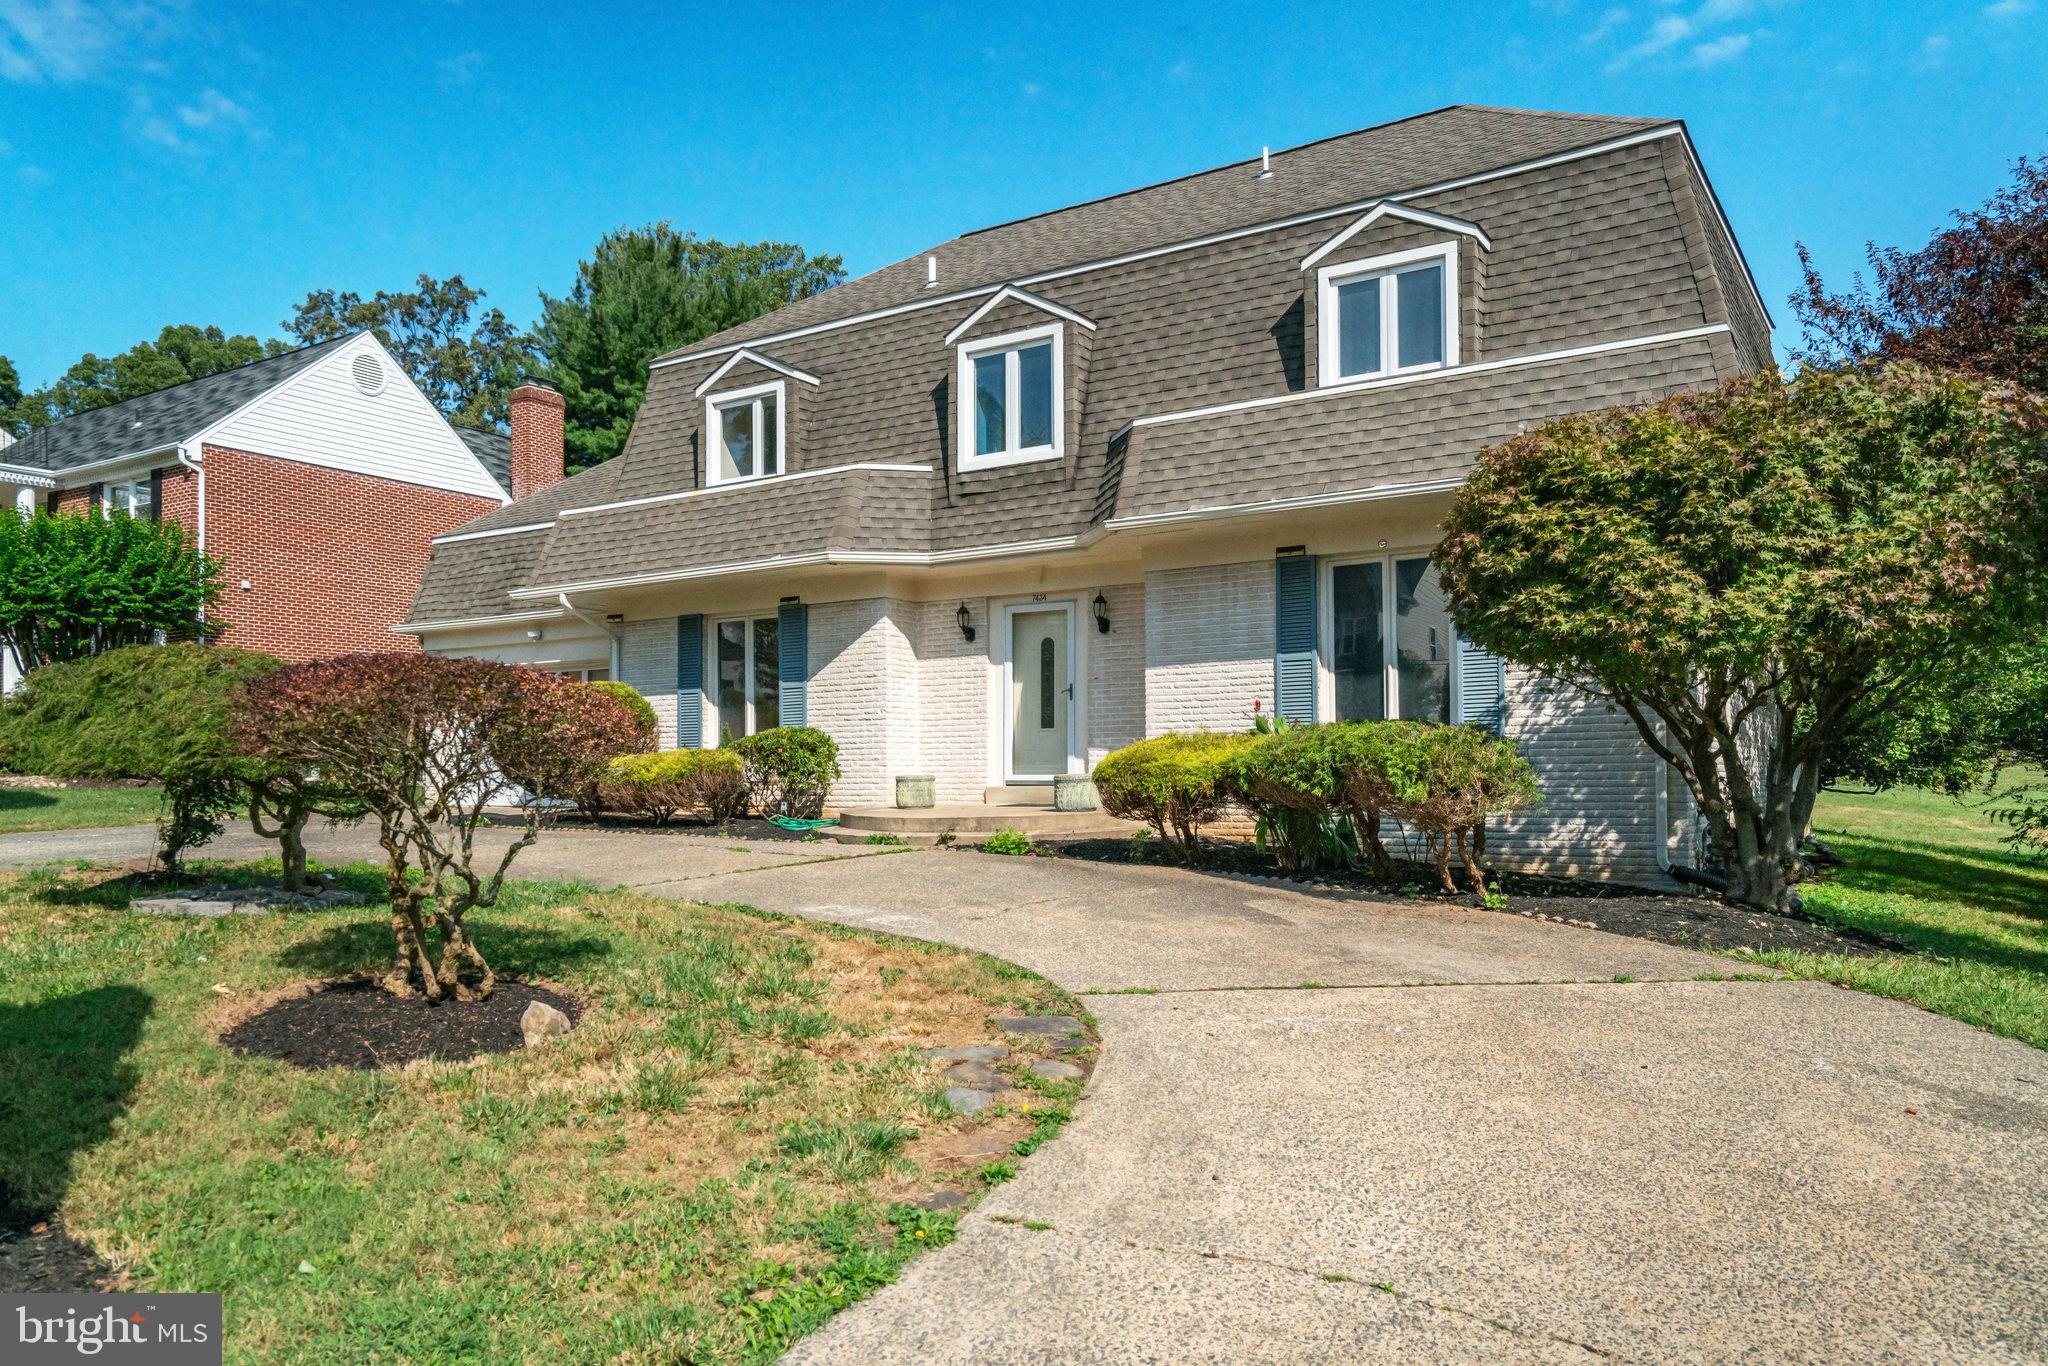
1129, 466
317, 478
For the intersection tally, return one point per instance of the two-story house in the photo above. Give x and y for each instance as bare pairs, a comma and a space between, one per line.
1134, 465
317, 478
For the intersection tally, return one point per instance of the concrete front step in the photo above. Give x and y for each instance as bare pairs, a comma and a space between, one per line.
1021, 794
970, 823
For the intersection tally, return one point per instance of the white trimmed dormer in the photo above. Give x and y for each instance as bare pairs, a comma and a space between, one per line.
1395, 291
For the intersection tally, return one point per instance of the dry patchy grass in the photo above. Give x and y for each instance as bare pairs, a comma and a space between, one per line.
709, 1166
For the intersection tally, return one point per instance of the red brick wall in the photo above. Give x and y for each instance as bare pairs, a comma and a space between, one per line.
332, 558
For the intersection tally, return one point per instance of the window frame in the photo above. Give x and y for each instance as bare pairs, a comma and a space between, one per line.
714, 436
147, 483
1329, 322
749, 621
966, 353
1390, 632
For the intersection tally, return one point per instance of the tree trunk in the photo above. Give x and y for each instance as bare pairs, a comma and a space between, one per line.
1368, 826
291, 836
1440, 852
1472, 870
456, 950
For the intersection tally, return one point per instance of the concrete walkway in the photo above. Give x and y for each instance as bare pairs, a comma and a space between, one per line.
1468, 1139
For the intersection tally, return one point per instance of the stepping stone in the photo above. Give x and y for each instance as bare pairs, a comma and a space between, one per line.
940, 1200
978, 1075
1053, 1070
988, 1052
1040, 1026
967, 1100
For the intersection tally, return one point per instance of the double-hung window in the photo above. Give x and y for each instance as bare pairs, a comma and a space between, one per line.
744, 434
136, 497
1388, 315
1391, 641
749, 676
1010, 409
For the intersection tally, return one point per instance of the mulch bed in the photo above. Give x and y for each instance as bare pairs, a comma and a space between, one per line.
38, 1256
1697, 922
358, 1024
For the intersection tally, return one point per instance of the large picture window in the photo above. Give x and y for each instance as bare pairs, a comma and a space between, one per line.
1388, 315
1408, 665
1010, 405
749, 677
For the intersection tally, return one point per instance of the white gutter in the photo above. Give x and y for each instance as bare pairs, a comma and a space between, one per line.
190, 458
577, 612
420, 628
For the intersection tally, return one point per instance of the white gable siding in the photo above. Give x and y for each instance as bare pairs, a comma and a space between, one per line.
320, 417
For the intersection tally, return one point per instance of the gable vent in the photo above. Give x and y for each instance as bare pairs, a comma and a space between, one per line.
369, 375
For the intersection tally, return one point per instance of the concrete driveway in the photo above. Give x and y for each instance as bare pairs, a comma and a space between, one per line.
1325, 1127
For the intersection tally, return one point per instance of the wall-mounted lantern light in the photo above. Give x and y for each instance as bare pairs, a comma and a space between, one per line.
966, 623
1102, 614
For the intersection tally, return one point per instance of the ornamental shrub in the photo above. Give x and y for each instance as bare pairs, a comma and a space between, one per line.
1174, 783
1007, 841
1463, 776
627, 696
160, 713
789, 770
1374, 766
659, 787
426, 744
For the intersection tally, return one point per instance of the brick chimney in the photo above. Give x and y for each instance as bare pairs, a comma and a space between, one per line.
536, 438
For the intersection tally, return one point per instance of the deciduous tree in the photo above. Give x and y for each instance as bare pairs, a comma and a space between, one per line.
466, 359
75, 584
1748, 571
180, 352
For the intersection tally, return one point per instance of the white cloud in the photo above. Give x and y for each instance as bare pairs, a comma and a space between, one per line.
1032, 90
1609, 22
2008, 9
75, 40
213, 110
1665, 34
34, 175
1720, 50
1934, 49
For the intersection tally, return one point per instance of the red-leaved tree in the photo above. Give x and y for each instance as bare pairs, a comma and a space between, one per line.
1974, 299
426, 744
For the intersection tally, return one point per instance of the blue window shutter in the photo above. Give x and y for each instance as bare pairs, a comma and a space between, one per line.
690, 682
1294, 638
1482, 687
792, 630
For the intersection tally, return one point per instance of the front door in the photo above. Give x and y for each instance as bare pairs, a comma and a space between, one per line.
1041, 692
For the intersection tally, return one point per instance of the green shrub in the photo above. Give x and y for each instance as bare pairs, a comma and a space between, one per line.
157, 712
629, 697
1174, 783
1286, 779
789, 770
1007, 842
659, 787
1463, 776
1374, 767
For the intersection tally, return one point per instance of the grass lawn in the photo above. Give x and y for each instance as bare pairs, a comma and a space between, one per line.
23, 809
708, 1167
1928, 871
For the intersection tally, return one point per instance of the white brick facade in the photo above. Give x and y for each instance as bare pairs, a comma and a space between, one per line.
1116, 670
1208, 646
647, 664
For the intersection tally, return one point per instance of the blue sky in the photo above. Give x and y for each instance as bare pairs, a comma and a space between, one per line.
164, 162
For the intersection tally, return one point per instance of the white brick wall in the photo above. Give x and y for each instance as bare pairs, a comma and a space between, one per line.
862, 690
1208, 646
1116, 670
647, 661
952, 693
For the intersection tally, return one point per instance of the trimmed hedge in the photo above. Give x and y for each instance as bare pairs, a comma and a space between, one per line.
1175, 783
789, 770
1321, 794
660, 787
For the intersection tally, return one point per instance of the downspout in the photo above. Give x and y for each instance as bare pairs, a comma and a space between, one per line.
588, 620
191, 459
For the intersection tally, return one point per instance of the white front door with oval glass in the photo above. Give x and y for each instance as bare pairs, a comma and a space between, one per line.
1040, 678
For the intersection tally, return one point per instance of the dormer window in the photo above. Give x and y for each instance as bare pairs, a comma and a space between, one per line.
1388, 315
744, 429
1011, 409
